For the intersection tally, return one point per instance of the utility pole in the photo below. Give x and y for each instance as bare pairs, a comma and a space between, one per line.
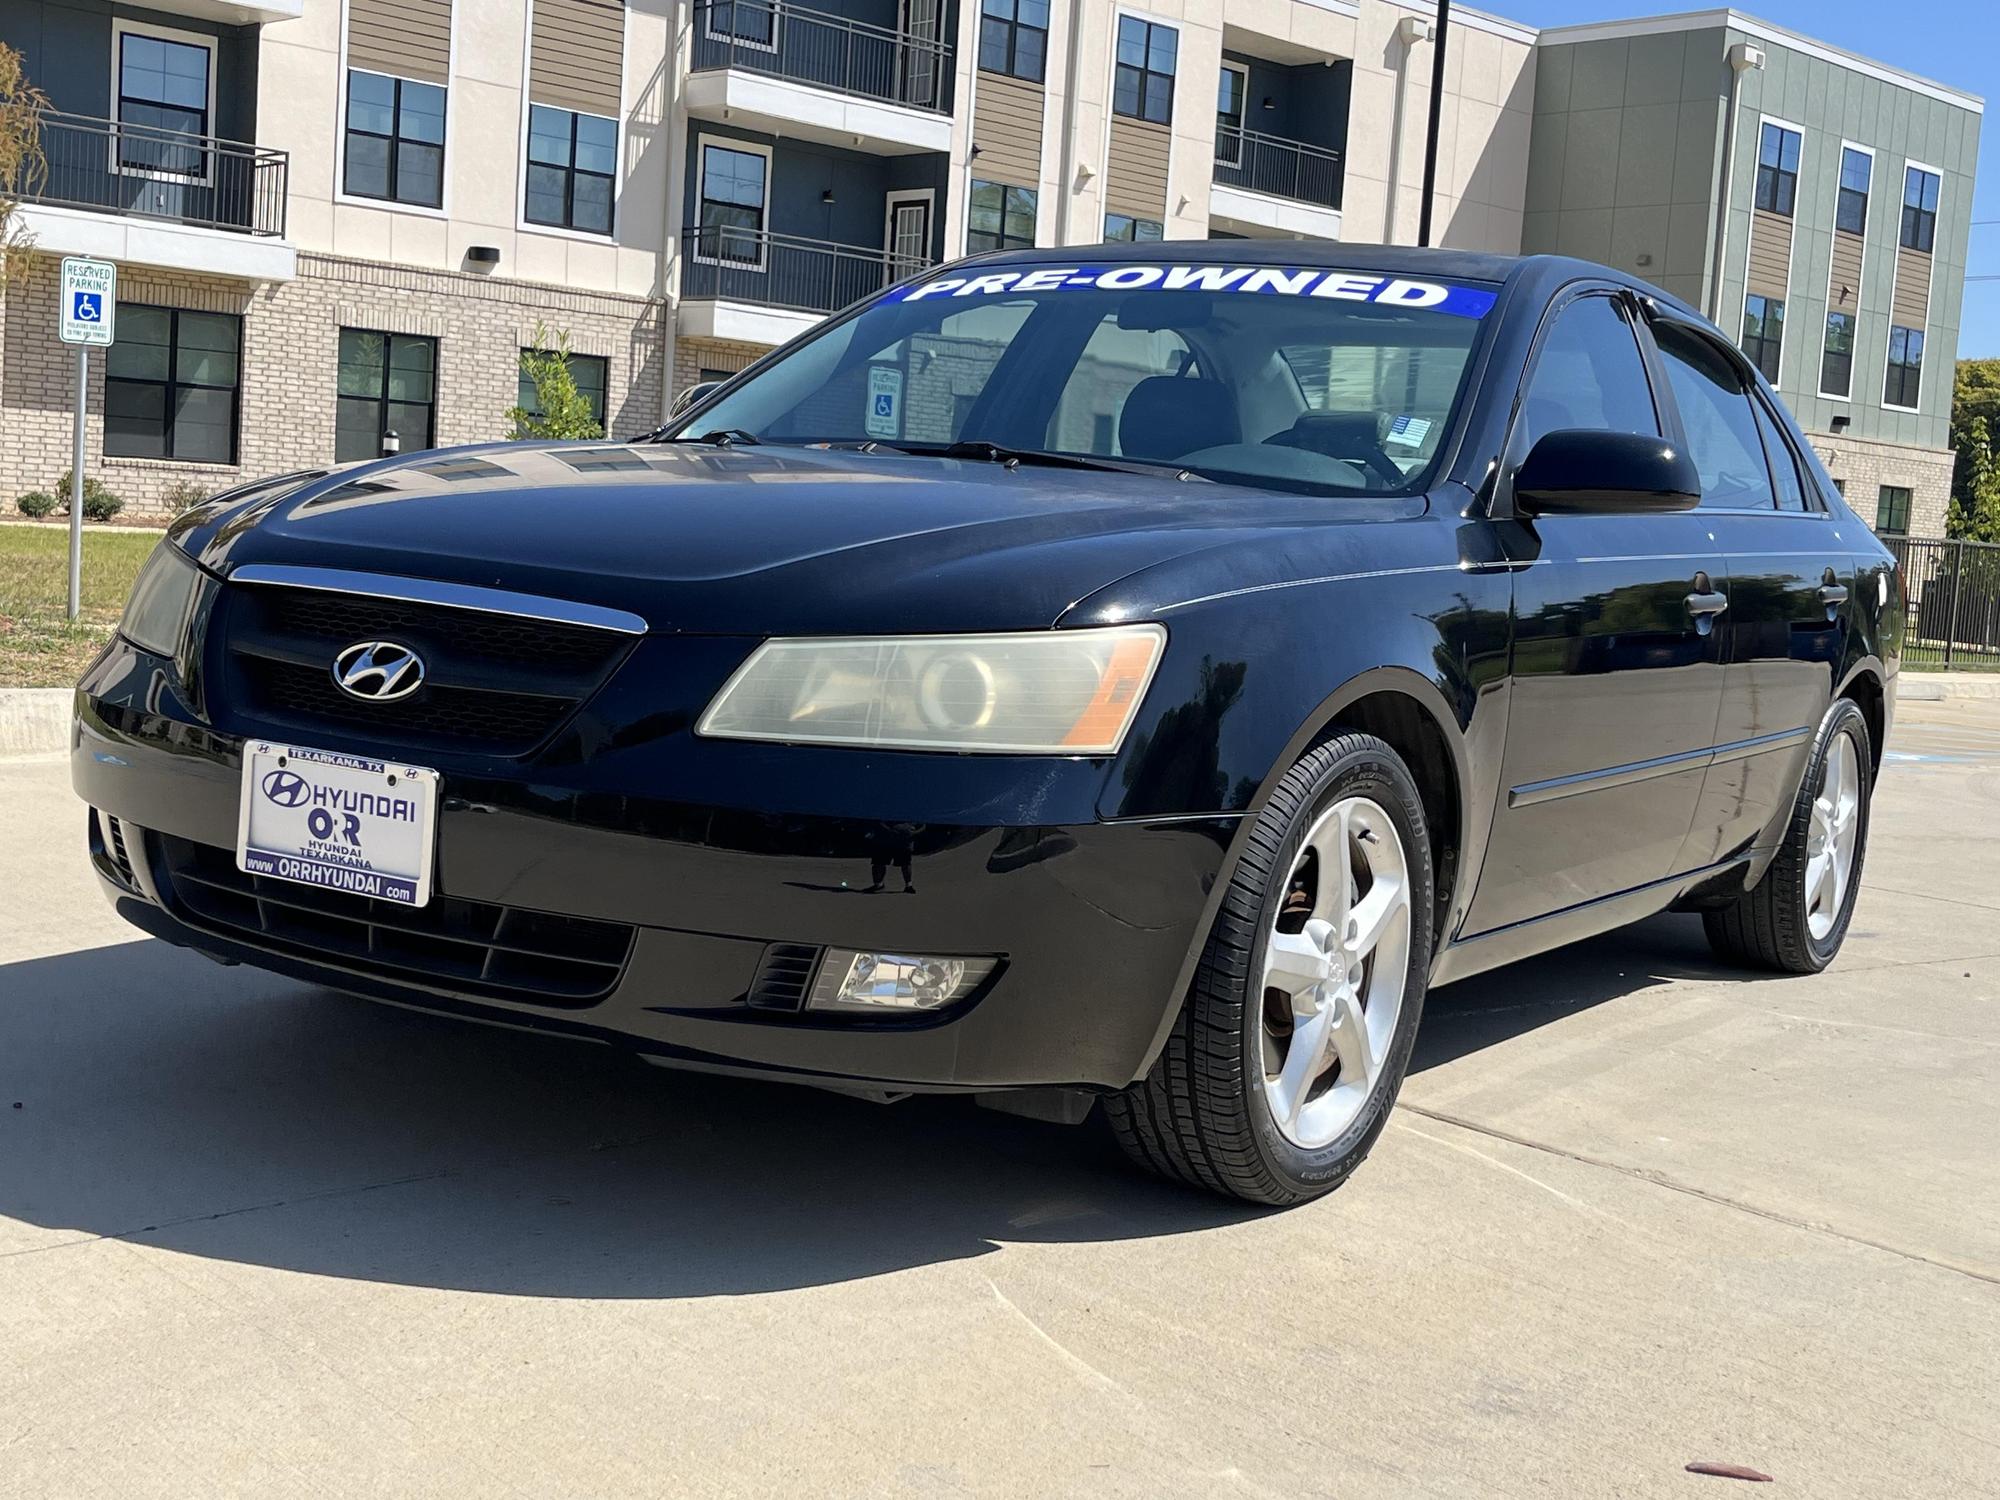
1437, 113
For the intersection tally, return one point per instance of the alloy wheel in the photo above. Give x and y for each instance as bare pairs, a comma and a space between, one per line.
1336, 963
1831, 838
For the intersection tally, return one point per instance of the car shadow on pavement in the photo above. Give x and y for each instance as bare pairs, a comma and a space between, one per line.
148, 1095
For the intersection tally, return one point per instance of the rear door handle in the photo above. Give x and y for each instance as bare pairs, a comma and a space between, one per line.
1832, 593
1700, 605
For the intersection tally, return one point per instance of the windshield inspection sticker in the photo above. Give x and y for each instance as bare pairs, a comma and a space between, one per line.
1409, 431
1274, 281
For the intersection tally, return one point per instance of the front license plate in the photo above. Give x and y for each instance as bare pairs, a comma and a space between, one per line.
341, 822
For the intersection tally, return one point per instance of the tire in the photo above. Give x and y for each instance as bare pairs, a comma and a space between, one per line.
1772, 925
1208, 1113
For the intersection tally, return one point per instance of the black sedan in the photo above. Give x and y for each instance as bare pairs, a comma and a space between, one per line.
1128, 676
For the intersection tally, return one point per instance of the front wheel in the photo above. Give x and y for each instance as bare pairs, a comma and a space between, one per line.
1795, 918
1293, 1042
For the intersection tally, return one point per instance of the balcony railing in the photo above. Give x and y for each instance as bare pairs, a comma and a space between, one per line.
1261, 163
721, 263
161, 174
828, 51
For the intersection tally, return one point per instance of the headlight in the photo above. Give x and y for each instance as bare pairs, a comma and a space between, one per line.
156, 616
1056, 692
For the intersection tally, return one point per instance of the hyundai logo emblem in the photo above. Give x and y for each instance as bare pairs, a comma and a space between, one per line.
286, 788
378, 671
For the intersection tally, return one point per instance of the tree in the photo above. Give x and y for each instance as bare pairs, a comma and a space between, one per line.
1975, 441
562, 411
23, 168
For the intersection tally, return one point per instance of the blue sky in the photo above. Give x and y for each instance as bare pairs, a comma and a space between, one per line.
1935, 48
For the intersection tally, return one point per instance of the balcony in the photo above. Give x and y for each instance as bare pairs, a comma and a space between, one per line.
156, 197
1265, 184
760, 288
778, 67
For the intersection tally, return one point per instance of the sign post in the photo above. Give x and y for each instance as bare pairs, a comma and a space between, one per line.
87, 313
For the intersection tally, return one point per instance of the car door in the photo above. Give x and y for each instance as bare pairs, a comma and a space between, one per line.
1790, 578
1616, 666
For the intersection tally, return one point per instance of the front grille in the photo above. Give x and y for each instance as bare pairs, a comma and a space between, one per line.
494, 683
469, 948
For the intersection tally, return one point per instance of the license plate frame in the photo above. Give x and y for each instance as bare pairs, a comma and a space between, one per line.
337, 822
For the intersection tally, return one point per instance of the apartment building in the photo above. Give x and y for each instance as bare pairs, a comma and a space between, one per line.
339, 221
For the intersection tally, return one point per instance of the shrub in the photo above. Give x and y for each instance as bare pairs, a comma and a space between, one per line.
36, 504
564, 411
99, 503
181, 496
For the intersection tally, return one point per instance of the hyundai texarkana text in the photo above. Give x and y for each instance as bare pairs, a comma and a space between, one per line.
1127, 676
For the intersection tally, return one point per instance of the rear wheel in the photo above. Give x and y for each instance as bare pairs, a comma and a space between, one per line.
1290, 1048
1795, 918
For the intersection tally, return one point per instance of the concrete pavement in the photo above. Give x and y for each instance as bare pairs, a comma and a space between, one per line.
1636, 1210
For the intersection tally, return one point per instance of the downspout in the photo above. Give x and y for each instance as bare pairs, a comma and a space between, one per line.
1071, 168
1742, 58
1410, 30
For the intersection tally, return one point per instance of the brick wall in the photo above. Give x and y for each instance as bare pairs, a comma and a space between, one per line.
290, 360
1864, 465
692, 356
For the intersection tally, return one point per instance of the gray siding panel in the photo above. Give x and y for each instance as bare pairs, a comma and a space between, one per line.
407, 38
1135, 169
1913, 288
1770, 254
1007, 129
576, 56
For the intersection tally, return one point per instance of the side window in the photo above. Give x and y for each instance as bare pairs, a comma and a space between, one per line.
1721, 425
1791, 490
1113, 364
1589, 374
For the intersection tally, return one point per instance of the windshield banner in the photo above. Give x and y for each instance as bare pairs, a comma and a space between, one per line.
1273, 281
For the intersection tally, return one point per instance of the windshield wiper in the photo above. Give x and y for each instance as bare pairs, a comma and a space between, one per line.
721, 437
982, 451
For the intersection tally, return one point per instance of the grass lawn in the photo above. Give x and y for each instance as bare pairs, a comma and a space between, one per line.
38, 646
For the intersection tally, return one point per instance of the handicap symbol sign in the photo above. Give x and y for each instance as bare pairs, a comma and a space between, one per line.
885, 404
89, 308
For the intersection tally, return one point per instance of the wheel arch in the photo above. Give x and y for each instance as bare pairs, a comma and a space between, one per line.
1408, 711
1864, 683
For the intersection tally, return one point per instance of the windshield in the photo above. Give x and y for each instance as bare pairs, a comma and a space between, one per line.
1294, 378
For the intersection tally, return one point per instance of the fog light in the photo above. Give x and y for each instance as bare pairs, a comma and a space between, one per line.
848, 980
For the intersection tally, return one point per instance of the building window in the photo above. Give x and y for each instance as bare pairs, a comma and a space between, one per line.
1892, 510
1906, 367
1851, 213
1920, 201
1123, 227
1840, 488
1764, 333
591, 372
395, 139
163, 93
1836, 363
1142, 85
1014, 37
388, 384
1230, 91
170, 385
754, 22
572, 161
734, 189
1778, 169
1003, 218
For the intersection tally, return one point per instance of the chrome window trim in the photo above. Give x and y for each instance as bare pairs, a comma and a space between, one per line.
447, 595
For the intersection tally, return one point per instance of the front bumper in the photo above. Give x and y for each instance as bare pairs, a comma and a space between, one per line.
1096, 923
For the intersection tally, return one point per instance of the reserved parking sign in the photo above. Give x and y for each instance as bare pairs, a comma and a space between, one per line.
89, 301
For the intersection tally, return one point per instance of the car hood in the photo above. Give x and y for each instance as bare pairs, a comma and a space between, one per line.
764, 540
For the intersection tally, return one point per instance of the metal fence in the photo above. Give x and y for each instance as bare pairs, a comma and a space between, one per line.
162, 174
811, 46
721, 262
1271, 164
1951, 602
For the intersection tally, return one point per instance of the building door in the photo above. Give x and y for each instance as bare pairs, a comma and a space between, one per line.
922, 74
1617, 665
907, 236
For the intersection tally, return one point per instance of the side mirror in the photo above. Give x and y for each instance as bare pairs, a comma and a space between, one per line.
1580, 472
693, 396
